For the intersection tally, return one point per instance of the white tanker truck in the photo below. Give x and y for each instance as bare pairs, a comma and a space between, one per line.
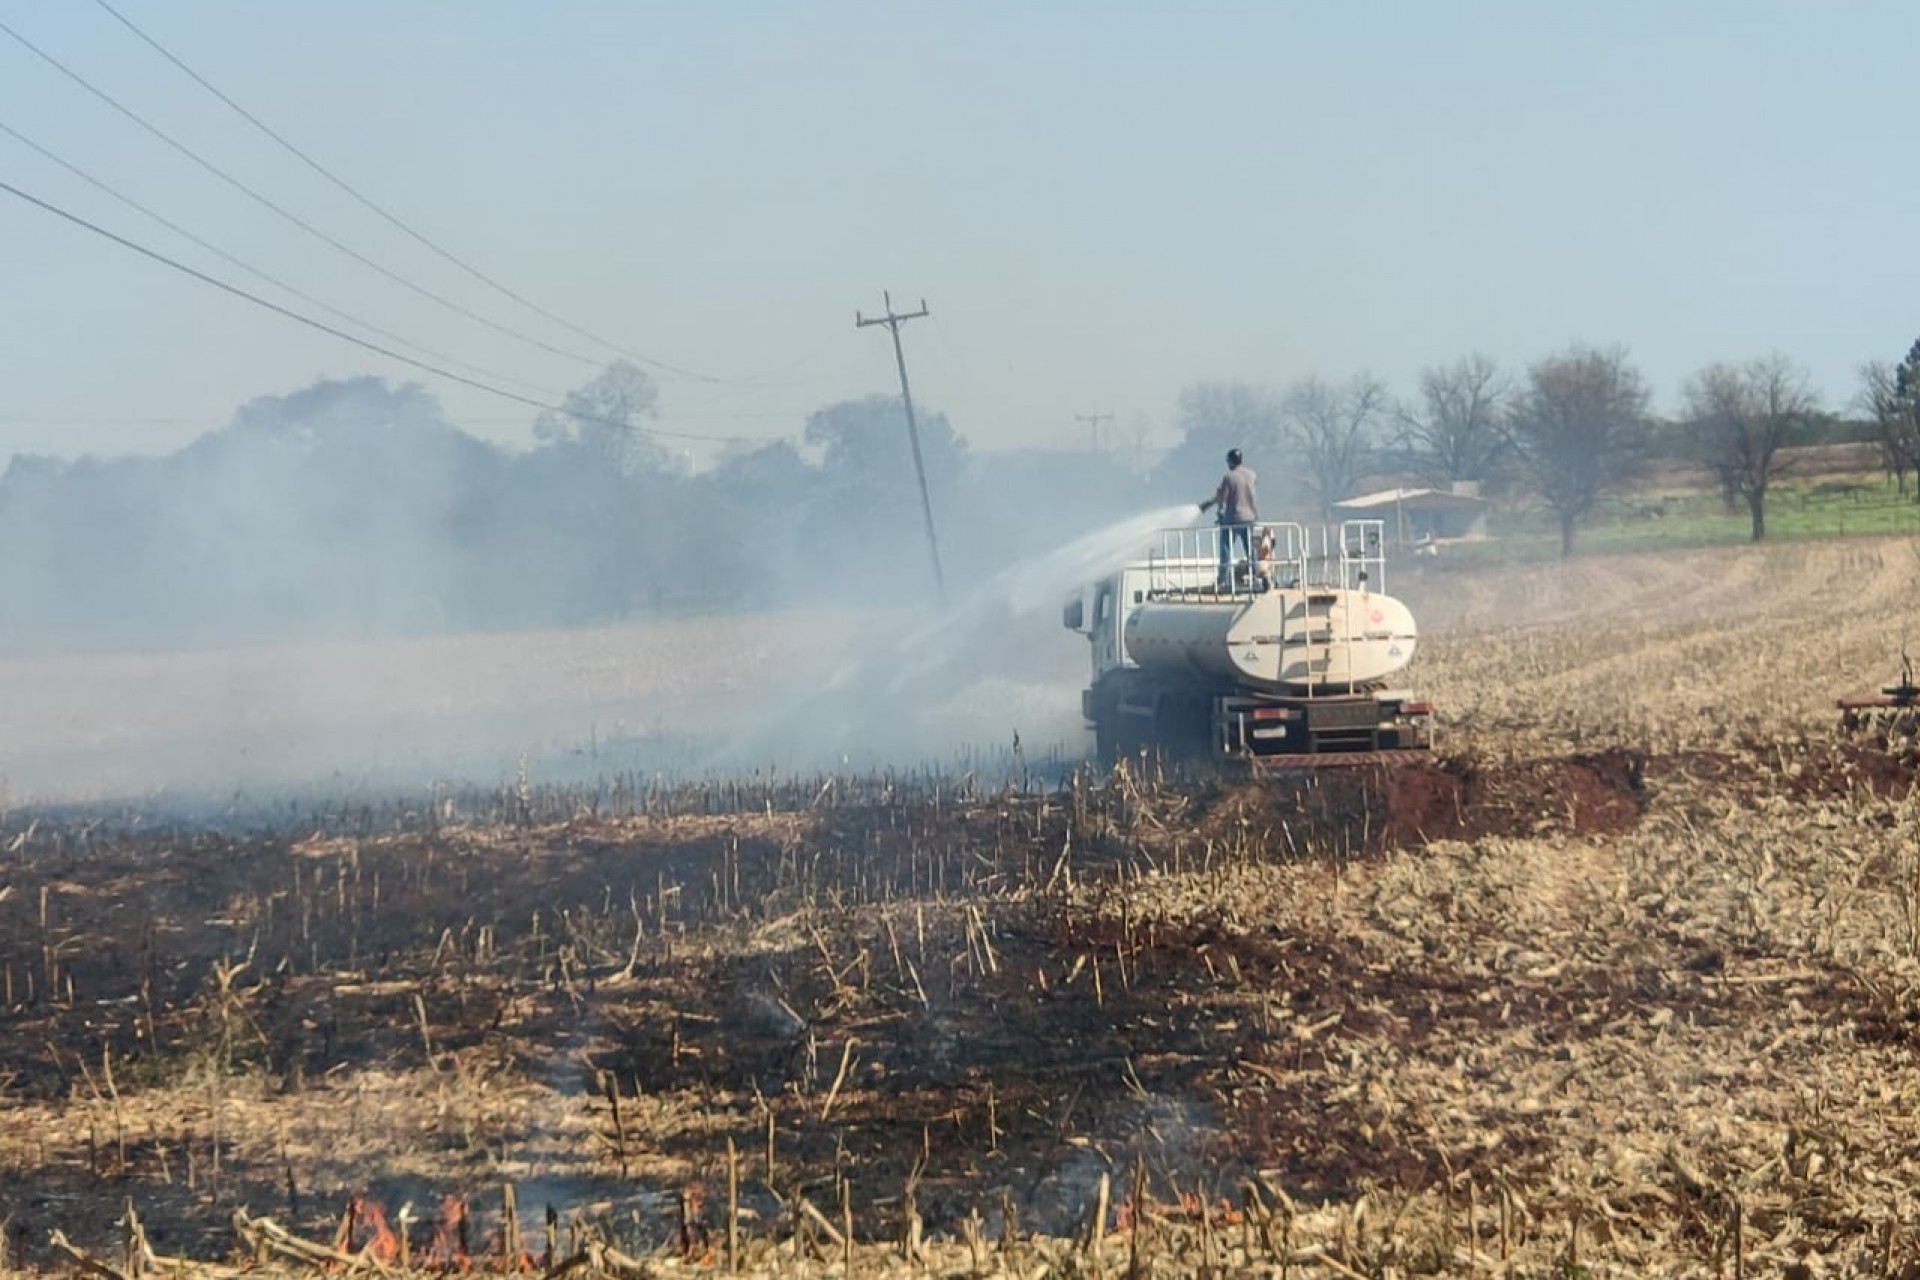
1285, 651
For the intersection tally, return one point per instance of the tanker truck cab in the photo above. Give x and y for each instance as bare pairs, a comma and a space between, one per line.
1099, 613
1297, 655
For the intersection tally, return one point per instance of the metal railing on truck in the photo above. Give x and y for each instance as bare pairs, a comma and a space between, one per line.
1214, 562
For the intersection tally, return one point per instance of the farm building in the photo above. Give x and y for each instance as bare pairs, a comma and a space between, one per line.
1420, 515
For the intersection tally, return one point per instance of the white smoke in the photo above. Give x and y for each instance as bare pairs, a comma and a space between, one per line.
995, 666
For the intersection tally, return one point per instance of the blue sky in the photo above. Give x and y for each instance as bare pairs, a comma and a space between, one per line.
1100, 202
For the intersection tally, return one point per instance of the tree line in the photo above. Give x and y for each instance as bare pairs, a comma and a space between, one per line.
1565, 432
353, 507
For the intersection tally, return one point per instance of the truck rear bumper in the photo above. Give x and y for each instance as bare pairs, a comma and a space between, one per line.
1348, 724
1338, 760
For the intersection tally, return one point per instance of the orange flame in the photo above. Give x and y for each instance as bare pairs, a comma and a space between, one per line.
448, 1252
363, 1228
382, 1243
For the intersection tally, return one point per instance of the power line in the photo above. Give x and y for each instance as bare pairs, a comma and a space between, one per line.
393, 219
893, 321
256, 272
289, 216
344, 336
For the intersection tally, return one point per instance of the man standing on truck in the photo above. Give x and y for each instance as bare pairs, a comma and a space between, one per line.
1238, 511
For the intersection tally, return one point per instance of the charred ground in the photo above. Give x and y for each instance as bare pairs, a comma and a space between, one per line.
981, 1000
1623, 980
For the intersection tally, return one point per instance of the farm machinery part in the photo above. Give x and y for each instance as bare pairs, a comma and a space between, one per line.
1889, 718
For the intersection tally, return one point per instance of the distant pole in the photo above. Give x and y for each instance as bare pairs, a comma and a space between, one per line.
893, 320
1093, 421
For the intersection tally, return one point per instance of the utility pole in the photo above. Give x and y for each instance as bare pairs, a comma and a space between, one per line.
1093, 421
893, 320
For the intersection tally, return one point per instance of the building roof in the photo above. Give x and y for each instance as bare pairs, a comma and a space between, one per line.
1412, 500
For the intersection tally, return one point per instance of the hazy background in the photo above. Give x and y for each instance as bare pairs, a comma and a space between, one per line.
1099, 201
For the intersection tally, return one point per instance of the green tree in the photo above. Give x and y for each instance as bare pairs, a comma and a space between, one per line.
865, 441
866, 506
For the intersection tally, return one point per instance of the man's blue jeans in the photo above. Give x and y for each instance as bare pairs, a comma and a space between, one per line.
1236, 543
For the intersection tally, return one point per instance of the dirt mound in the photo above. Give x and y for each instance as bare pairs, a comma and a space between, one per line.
1463, 798
1838, 770
1801, 769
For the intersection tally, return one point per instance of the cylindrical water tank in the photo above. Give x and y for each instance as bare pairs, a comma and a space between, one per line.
1283, 641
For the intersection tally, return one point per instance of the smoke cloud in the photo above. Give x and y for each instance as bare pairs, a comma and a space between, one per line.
339, 589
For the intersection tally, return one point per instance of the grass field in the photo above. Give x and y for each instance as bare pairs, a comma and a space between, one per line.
1677, 517
1623, 985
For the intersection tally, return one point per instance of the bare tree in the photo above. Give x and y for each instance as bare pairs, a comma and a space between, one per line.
1892, 396
1726, 476
1334, 430
1230, 414
1215, 417
1877, 393
1578, 428
1455, 433
1741, 417
605, 415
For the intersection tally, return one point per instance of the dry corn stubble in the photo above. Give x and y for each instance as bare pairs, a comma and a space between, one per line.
1564, 1051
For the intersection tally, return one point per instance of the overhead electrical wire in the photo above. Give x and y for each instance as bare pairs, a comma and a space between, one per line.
394, 219
321, 325
256, 272
286, 214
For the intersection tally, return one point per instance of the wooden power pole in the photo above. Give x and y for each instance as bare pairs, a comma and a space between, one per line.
1093, 421
893, 320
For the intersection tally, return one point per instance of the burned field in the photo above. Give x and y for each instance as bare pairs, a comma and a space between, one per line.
1551, 1026
1623, 981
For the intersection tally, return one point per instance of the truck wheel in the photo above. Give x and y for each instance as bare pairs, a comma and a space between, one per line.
1180, 727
